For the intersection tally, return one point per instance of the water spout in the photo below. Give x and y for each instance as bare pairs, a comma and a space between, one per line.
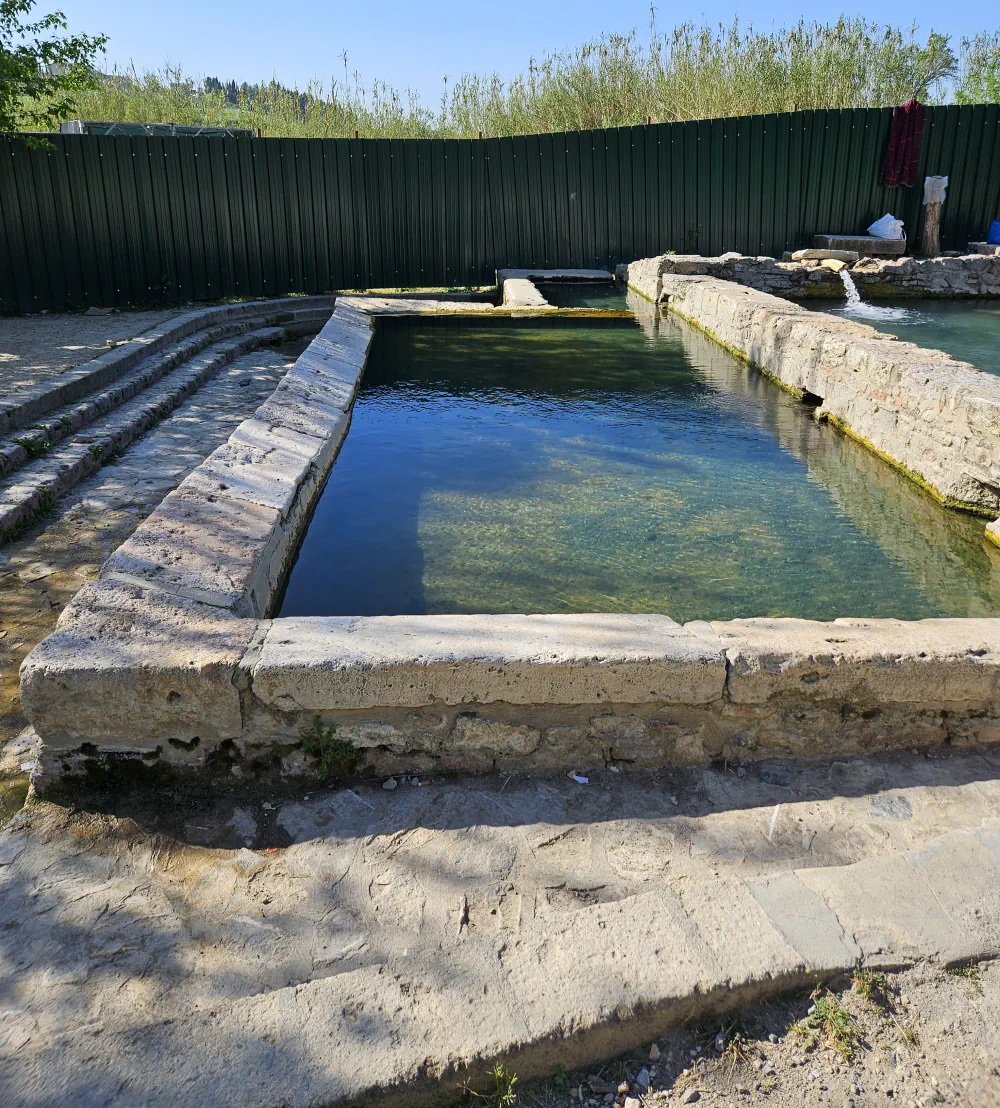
851, 289
855, 307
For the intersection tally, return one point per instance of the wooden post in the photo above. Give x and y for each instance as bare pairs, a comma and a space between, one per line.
932, 229
935, 190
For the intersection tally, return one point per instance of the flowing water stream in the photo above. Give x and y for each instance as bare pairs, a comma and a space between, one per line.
968, 329
857, 308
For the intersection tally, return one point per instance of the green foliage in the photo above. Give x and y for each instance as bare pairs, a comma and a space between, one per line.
335, 756
500, 1093
34, 446
692, 72
41, 72
831, 1025
971, 974
979, 70
873, 987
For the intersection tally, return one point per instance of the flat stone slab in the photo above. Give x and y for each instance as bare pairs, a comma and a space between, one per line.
884, 661
137, 669
825, 255
262, 463
211, 550
378, 948
863, 245
403, 661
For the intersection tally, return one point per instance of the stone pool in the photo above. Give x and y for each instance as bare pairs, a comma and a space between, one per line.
566, 466
967, 329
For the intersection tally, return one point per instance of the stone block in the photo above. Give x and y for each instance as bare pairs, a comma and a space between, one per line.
493, 736
213, 550
863, 245
934, 662
327, 663
307, 409
519, 292
264, 464
130, 669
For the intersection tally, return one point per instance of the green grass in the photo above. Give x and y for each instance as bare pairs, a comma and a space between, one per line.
691, 72
829, 1024
970, 973
873, 987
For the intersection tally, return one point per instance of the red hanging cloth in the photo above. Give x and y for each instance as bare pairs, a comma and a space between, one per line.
903, 153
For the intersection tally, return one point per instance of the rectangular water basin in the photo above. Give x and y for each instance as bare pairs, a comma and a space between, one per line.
967, 329
566, 466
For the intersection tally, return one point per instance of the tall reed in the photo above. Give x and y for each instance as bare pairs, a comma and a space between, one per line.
691, 72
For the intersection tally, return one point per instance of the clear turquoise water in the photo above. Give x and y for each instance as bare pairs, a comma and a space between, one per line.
967, 329
569, 466
584, 295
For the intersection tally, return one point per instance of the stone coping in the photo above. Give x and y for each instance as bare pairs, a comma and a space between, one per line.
170, 661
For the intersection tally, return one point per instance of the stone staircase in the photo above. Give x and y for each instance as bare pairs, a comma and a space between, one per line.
56, 433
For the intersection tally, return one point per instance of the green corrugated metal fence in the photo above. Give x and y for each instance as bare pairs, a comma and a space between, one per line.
114, 221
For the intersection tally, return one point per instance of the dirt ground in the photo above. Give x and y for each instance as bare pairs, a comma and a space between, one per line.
921, 1037
36, 347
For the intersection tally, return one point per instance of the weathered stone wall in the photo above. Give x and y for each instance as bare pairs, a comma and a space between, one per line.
971, 275
936, 418
134, 679
166, 664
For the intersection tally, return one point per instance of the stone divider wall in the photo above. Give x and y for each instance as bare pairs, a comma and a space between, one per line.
972, 275
936, 418
169, 662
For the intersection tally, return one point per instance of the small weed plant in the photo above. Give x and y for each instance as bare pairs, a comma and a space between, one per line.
829, 1024
334, 755
872, 987
970, 973
500, 1091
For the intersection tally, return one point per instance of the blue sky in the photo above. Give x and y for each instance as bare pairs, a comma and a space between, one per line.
413, 44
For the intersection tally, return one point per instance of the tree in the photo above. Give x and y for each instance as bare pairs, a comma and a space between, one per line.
40, 70
979, 80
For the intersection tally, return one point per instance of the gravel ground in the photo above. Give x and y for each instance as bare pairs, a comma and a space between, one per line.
922, 1037
34, 348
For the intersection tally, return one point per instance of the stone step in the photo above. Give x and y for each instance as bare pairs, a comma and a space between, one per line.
63, 421
39, 399
37, 484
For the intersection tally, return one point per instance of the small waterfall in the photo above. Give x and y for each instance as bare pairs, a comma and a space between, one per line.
853, 296
855, 307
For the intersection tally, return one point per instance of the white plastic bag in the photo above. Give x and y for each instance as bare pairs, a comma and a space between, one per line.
935, 189
888, 227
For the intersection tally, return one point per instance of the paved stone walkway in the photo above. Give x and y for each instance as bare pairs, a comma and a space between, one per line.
352, 945
35, 348
40, 573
